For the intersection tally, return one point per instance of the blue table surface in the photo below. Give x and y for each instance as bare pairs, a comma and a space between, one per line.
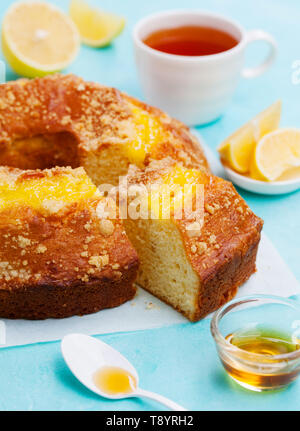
178, 361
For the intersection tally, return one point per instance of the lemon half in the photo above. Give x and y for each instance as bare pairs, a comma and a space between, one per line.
96, 28
237, 150
38, 38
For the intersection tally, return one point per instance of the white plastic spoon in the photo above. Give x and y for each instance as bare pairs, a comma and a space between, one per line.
85, 355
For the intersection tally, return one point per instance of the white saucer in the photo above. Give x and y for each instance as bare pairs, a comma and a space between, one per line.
287, 185
263, 187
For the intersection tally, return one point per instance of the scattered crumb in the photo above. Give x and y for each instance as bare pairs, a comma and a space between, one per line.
193, 229
209, 208
23, 242
151, 306
99, 261
41, 249
106, 227
87, 226
193, 248
212, 239
202, 247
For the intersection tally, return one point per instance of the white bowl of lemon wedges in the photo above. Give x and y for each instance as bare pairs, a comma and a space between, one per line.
261, 157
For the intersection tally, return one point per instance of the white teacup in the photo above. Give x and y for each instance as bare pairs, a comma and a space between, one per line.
194, 89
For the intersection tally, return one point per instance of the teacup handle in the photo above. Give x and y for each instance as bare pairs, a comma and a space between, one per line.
252, 36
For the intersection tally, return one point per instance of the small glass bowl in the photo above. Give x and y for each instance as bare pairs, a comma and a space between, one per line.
256, 371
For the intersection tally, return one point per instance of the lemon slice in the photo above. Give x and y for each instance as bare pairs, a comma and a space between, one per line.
96, 28
276, 153
38, 38
237, 150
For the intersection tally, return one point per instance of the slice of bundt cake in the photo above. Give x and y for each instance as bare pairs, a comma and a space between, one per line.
61, 120
58, 255
196, 259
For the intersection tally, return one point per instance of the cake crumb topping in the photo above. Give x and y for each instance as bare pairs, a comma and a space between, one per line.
23, 242
106, 227
212, 239
194, 248
87, 226
193, 229
41, 249
202, 247
53, 206
99, 261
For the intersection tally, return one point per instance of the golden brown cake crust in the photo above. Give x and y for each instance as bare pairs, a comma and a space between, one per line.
63, 261
94, 115
226, 249
43, 301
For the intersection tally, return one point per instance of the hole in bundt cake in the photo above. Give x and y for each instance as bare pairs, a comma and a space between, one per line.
42, 152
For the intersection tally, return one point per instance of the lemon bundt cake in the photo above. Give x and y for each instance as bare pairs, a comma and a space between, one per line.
193, 263
61, 120
58, 255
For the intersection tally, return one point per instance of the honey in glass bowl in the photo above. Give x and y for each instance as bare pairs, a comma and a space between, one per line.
257, 339
262, 342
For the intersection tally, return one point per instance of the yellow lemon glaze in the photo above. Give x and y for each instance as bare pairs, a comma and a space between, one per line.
148, 133
182, 176
178, 187
40, 193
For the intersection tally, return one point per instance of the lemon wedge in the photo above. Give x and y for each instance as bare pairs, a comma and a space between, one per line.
237, 150
96, 28
276, 153
38, 38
